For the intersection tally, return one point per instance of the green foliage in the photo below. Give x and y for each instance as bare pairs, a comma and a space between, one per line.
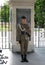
40, 13
5, 13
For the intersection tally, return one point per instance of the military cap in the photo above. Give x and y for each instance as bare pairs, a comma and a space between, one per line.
23, 17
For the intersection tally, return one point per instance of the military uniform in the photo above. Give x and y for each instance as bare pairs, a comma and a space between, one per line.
23, 34
23, 37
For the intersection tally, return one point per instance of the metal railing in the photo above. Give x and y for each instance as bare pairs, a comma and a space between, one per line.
39, 37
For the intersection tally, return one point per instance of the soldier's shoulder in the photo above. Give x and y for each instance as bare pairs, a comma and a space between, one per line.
19, 24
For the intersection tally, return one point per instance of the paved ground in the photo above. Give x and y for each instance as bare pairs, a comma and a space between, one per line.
36, 58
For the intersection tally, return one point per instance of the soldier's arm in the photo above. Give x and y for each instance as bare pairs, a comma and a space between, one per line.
18, 34
28, 30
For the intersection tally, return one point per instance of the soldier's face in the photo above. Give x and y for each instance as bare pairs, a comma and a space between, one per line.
23, 21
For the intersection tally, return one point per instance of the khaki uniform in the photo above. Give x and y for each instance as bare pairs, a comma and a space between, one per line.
23, 38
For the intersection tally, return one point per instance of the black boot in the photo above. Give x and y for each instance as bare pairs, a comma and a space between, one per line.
25, 58
22, 58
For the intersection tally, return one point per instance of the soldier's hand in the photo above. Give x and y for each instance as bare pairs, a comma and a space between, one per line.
28, 34
22, 32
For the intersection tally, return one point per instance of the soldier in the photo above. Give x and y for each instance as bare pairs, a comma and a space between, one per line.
23, 33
